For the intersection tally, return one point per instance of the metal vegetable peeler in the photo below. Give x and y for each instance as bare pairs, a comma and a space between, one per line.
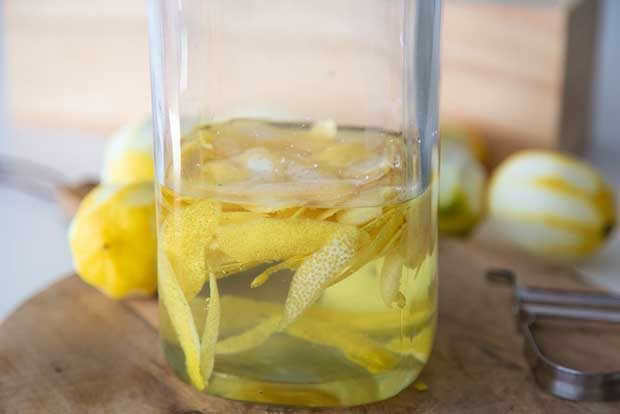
535, 304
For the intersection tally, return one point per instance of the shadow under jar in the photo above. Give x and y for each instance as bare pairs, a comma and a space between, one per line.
296, 165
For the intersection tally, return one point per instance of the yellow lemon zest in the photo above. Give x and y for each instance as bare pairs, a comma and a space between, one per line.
380, 237
357, 347
291, 263
295, 395
358, 216
249, 339
376, 322
185, 235
270, 239
211, 331
420, 386
318, 271
391, 275
182, 320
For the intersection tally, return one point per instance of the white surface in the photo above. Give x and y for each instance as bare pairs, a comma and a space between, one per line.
33, 242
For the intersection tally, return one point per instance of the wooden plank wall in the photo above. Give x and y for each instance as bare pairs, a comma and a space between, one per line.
520, 70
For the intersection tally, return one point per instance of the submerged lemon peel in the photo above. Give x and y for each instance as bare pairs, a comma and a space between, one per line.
382, 234
391, 275
185, 236
182, 320
211, 331
291, 263
269, 239
371, 321
249, 339
357, 347
318, 271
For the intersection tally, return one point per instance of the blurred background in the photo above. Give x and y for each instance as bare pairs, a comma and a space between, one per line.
541, 74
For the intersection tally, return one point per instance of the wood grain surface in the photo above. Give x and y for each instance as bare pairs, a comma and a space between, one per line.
69, 349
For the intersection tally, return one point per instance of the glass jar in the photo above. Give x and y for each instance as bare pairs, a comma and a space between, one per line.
296, 163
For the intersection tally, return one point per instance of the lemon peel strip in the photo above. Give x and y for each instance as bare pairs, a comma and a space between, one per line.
357, 347
211, 330
291, 263
371, 321
182, 320
380, 241
286, 238
184, 236
249, 339
318, 271
391, 275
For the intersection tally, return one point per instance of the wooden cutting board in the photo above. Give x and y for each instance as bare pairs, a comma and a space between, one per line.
69, 349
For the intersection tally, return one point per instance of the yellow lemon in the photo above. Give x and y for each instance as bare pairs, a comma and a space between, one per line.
461, 188
551, 204
112, 239
129, 155
468, 136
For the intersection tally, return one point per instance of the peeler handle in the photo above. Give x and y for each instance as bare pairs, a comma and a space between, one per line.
564, 312
567, 298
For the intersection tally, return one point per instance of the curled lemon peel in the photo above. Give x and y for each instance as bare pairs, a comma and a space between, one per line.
391, 275
318, 271
358, 216
182, 320
211, 330
291, 263
249, 339
270, 239
380, 235
357, 347
185, 234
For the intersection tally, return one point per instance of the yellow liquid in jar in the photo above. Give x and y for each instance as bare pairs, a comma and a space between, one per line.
290, 284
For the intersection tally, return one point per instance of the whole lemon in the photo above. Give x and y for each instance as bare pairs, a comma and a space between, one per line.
129, 155
551, 204
461, 188
112, 239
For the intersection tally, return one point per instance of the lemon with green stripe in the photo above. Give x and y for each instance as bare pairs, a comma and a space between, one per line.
551, 204
461, 188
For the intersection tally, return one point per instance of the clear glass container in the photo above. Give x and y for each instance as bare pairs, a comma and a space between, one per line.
296, 163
